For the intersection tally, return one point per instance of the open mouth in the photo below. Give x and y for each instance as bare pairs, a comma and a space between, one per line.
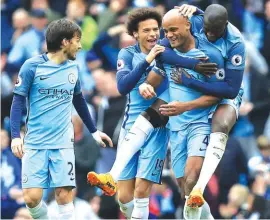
152, 41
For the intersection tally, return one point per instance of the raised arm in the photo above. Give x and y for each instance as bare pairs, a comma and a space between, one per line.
128, 76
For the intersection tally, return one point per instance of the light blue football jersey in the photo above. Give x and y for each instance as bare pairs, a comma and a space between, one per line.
182, 93
49, 89
231, 45
128, 58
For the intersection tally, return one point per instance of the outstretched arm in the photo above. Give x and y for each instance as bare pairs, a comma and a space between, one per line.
229, 80
169, 56
82, 110
175, 108
229, 88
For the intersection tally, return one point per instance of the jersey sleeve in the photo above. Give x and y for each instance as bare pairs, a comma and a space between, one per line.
124, 61
159, 68
126, 76
77, 88
25, 79
196, 23
169, 56
236, 57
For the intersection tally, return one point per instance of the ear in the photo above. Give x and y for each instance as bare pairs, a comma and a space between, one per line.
135, 34
188, 25
65, 42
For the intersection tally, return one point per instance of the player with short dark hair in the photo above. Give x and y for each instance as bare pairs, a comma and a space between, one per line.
50, 84
57, 31
212, 27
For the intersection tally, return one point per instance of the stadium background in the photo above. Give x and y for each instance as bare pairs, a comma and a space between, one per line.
240, 187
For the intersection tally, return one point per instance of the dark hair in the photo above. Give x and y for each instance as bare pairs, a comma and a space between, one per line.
59, 30
141, 14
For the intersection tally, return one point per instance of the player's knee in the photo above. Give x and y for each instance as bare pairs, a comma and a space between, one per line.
142, 190
223, 119
31, 199
125, 198
63, 195
221, 125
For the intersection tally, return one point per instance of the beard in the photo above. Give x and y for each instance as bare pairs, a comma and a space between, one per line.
71, 56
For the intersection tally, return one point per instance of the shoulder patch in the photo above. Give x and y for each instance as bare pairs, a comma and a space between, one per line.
120, 64
18, 81
237, 60
220, 74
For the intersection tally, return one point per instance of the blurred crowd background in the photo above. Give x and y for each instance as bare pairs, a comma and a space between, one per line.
240, 187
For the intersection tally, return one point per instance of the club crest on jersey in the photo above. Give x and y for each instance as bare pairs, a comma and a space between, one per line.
120, 64
24, 178
18, 81
72, 78
220, 74
237, 60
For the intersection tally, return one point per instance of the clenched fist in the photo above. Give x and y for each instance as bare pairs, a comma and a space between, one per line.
147, 91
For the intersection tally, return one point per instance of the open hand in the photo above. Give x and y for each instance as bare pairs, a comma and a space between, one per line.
173, 108
186, 10
207, 69
100, 137
176, 75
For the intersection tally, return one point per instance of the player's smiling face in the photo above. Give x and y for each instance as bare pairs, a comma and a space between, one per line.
73, 46
176, 30
148, 34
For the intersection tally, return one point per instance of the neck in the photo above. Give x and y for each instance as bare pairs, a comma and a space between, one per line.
187, 45
57, 57
144, 50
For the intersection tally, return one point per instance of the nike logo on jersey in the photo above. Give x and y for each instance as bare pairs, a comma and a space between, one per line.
202, 149
44, 77
156, 173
